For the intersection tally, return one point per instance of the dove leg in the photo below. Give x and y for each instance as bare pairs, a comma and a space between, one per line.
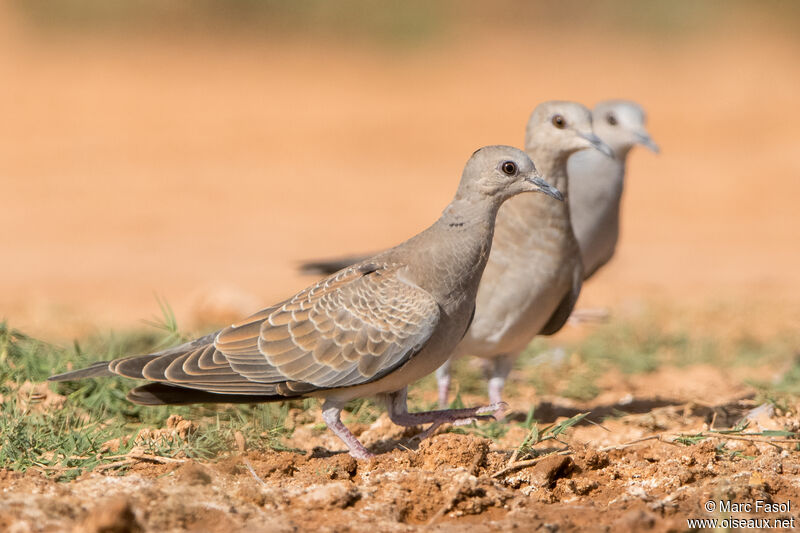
587, 316
331, 414
498, 369
398, 413
443, 381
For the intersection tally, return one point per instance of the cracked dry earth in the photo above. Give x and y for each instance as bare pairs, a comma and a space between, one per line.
445, 484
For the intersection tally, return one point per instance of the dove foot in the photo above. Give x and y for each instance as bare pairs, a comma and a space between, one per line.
398, 414
589, 316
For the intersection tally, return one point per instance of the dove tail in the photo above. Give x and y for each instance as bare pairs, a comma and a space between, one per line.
96, 370
163, 394
325, 267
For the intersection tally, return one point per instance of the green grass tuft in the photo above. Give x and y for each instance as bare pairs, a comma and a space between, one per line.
68, 439
643, 345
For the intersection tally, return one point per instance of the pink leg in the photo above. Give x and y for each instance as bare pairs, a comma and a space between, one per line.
443, 381
496, 389
498, 369
398, 413
331, 413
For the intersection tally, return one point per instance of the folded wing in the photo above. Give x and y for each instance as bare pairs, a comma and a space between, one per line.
348, 329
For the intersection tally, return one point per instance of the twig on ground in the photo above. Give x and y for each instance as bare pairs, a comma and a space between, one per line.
529, 462
252, 471
629, 444
406, 448
155, 458
598, 424
743, 437
115, 464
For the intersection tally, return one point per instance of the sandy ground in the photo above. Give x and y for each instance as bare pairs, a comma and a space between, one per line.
625, 471
204, 170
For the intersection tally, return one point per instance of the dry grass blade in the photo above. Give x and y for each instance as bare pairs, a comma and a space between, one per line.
115, 464
253, 471
775, 441
629, 444
155, 458
551, 432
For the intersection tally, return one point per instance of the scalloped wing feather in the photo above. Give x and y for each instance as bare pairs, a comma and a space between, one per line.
348, 329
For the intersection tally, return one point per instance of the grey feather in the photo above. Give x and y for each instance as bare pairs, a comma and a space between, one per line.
96, 370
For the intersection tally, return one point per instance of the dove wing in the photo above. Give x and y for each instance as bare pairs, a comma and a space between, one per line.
348, 329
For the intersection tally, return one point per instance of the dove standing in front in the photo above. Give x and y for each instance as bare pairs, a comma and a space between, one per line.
370, 329
534, 273
596, 181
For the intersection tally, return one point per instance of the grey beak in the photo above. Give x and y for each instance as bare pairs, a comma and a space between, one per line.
644, 139
598, 143
546, 188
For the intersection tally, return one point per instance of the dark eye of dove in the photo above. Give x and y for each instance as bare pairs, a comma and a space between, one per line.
611, 119
509, 168
559, 122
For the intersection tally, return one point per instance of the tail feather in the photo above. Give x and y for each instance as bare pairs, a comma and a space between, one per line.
163, 394
326, 267
96, 370
174, 385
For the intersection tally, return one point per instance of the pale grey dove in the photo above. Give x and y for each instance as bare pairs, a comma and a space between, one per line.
595, 187
596, 181
534, 273
370, 329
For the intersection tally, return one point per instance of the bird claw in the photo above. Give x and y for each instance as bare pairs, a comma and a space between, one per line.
464, 420
361, 454
492, 408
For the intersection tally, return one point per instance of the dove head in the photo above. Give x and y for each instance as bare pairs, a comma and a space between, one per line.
559, 129
500, 172
621, 124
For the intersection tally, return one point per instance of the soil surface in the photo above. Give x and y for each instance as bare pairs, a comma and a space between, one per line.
622, 471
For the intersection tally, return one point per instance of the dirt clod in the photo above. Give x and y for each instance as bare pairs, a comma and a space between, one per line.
38, 397
546, 472
450, 449
115, 516
336, 495
193, 474
636, 520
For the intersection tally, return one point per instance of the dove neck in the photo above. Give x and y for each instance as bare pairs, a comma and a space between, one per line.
465, 214
455, 249
621, 152
553, 166
620, 146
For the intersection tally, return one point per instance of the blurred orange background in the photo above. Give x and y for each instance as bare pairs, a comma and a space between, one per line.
199, 150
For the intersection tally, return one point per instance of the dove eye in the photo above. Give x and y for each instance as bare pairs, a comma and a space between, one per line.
611, 119
559, 122
509, 168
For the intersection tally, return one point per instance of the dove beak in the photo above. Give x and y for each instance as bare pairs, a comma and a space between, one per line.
597, 143
644, 139
546, 188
